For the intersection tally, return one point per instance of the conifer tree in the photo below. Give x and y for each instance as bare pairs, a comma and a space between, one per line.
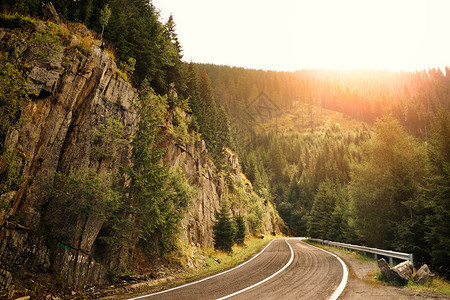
241, 229
437, 193
224, 231
155, 198
385, 188
324, 202
105, 14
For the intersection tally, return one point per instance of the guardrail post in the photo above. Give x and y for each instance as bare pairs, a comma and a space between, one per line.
391, 261
411, 259
376, 256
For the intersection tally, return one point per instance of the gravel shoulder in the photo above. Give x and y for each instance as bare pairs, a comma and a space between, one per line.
360, 285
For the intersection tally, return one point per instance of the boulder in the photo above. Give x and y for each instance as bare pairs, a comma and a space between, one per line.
423, 275
387, 272
74, 41
401, 273
404, 270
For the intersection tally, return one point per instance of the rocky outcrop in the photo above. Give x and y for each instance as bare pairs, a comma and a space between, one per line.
195, 163
73, 95
213, 191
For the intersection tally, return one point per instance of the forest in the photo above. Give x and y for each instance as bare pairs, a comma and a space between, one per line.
385, 184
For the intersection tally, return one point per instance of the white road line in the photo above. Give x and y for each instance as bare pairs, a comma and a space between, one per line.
204, 279
262, 281
341, 287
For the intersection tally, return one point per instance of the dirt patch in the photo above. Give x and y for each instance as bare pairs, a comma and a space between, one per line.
361, 286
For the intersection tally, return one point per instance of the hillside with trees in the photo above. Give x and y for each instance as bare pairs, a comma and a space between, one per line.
375, 174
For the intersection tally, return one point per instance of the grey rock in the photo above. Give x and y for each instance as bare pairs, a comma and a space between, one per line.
74, 41
400, 273
78, 268
387, 272
22, 247
404, 270
5, 280
423, 275
42, 79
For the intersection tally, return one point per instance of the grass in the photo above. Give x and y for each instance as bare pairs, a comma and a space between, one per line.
435, 285
360, 257
16, 21
239, 254
227, 260
122, 74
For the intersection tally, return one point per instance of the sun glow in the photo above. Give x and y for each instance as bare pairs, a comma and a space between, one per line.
321, 34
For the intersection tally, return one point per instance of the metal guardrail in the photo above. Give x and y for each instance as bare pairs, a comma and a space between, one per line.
388, 253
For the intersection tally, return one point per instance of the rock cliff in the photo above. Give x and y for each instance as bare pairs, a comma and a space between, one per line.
215, 189
74, 93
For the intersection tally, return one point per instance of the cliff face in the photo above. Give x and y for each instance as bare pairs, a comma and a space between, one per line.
215, 189
76, 93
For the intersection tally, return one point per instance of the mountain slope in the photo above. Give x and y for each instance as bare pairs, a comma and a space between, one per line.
67, 153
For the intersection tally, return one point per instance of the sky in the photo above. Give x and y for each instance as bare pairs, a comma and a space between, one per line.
289, 35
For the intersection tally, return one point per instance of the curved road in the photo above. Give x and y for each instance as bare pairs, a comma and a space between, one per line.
285, 269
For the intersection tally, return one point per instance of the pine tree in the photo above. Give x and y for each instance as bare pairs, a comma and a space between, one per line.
224, 231
105, 14
324, 202
241, 229
385, 188
437, 193
155, 199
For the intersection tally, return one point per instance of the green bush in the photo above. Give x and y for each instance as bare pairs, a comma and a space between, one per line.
15, 21
80, 193
12, 178
13, 96
47, 42
107, 137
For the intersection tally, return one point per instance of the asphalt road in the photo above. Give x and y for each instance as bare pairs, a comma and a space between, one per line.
285, 269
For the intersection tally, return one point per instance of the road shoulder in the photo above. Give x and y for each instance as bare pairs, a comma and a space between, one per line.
361, 286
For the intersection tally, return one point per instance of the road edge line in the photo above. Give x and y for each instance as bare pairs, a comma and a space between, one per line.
338, 291
204, 279
264, 280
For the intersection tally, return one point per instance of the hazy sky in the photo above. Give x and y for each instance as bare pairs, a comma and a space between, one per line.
313, 34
